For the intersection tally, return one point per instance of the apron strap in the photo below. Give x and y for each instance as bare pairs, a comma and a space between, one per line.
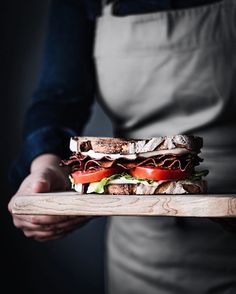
106, 8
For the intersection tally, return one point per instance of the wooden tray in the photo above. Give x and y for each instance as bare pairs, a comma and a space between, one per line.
72, 203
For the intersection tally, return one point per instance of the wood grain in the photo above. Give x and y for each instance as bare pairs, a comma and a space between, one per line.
72, 203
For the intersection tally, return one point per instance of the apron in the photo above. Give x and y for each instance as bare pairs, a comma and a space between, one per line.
164, 73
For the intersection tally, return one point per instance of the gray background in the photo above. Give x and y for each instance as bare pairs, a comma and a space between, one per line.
71, 265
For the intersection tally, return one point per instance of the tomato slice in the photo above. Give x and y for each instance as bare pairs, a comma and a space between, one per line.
158, 174
89, 176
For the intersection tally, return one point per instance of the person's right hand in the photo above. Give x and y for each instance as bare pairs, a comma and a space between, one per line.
46, 176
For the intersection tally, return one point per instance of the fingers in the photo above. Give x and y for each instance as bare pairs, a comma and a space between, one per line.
54, 233
43, 219
46, 222
43, 231
53, 237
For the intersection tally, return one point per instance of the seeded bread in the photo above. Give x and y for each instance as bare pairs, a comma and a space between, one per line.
168, 187
124, 146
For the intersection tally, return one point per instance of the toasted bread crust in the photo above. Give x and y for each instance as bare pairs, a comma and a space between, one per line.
124, 146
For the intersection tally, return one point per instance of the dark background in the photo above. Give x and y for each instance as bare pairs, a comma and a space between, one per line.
75, 263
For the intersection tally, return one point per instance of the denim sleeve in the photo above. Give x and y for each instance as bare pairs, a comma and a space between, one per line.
61, 103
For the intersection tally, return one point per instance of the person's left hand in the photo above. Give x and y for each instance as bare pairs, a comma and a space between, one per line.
45, 176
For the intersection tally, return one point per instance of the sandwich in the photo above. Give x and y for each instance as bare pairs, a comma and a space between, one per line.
120, 166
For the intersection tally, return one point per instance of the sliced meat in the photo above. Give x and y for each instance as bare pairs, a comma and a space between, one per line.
169, 161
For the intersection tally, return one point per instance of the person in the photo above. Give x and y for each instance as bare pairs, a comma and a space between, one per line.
157, 68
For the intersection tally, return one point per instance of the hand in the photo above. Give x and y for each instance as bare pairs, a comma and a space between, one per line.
46, 175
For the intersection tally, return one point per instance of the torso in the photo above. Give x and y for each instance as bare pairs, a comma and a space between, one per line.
167, 73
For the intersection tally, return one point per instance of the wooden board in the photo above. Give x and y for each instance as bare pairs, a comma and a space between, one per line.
72, 203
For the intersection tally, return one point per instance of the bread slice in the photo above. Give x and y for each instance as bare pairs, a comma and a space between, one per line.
162, 187
167, 187
109, 145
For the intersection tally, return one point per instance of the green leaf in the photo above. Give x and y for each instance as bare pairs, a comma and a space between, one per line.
197, 175
98, 187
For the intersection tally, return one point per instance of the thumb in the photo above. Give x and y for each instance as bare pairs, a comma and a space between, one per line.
38, 182
41, 183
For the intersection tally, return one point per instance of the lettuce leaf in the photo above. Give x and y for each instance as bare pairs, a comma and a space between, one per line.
98, 187
197, 175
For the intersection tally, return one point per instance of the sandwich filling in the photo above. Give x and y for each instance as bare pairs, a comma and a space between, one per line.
95, 172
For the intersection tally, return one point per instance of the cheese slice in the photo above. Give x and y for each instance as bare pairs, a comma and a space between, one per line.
98, 156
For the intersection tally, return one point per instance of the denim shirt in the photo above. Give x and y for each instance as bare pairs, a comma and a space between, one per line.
61, 103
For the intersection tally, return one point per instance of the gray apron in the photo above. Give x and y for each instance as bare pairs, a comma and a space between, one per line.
160, 74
